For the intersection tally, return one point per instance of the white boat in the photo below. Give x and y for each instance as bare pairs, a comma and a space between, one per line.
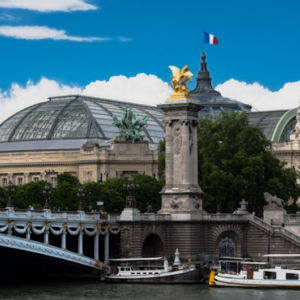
147, 270
241, 273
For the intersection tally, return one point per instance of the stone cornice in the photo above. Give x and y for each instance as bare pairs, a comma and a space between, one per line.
76, 163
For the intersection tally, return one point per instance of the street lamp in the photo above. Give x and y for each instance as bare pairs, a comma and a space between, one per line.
47, 194
90, 206
9, 189
80, 195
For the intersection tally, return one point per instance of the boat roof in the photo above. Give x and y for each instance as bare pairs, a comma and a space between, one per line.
136, 259
234, 258
281, 255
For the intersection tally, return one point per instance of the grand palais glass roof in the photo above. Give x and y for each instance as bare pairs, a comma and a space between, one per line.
67, 122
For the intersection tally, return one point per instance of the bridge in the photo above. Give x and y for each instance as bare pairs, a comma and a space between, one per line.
78, 242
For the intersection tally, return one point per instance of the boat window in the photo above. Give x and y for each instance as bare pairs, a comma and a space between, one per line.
156, 273
138, 273
144, 273
132, 273
122, 269
270, 275
291, 276
256, 268
150, 272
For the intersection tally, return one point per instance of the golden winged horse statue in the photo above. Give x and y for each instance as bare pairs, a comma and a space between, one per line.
179, 79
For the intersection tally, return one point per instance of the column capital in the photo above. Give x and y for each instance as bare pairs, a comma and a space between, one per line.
168, 122
185, 122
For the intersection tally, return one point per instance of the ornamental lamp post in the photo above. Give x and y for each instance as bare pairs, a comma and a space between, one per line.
9, 189
80, 195
47, 194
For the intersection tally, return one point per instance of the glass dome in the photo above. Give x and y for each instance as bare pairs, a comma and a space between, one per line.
76, 117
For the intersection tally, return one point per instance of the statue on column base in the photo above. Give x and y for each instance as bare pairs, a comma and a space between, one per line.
130, 213
274, 210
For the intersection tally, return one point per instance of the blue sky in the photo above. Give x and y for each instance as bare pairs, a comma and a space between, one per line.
258, 40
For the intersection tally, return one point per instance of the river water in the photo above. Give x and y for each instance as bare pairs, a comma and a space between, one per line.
96, 290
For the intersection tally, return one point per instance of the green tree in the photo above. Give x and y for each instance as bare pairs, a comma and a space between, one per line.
147, 192
29, 194
235, 162
66, 177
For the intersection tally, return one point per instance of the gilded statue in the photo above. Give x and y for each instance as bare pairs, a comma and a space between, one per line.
179, 78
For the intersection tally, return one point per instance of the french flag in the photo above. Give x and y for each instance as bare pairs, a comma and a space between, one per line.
210, 39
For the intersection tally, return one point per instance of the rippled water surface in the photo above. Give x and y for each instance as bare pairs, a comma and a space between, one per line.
94, 290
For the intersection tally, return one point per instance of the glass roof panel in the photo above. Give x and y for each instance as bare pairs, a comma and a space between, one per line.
73, 122
38, 123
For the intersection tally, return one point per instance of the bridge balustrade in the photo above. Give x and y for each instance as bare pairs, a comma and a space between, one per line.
44, 222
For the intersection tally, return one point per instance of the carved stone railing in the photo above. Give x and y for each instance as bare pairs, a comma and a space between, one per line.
155, 217
54, 216
274, 229
225, 217
292, 219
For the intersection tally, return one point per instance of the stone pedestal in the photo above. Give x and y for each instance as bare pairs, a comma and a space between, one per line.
181, 194
275, 214
130, 214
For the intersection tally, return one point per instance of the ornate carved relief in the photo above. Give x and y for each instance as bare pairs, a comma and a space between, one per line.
87, 175
177, 145
175, 203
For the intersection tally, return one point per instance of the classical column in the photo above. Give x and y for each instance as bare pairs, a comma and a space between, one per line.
96, 246
169, 153
194, 153
46, 237
106, 247
80, 245
28, 233
64, 240
185, 152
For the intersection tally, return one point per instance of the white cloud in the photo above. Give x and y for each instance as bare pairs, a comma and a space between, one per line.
142, 89
48, 5
43, 32
262, 98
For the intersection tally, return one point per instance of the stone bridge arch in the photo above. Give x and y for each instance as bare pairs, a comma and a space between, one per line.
228, 240
153, 242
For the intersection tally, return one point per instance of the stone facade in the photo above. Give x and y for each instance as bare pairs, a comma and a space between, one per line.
193, 237
89, 163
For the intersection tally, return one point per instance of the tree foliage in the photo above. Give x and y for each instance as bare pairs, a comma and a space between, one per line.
235, 162
64, 195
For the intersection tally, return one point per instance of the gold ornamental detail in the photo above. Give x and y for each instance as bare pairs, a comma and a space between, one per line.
179, 78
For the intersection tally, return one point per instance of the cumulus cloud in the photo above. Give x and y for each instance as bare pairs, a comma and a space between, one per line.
142, 89
262, 98
43, 32
48, 5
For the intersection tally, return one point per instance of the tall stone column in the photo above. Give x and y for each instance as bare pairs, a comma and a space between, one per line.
169, 153
64, 240
96, 246
181, 196
106, 248
80, 243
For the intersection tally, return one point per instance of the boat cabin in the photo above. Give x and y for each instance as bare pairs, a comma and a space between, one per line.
138, 266
245, 267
